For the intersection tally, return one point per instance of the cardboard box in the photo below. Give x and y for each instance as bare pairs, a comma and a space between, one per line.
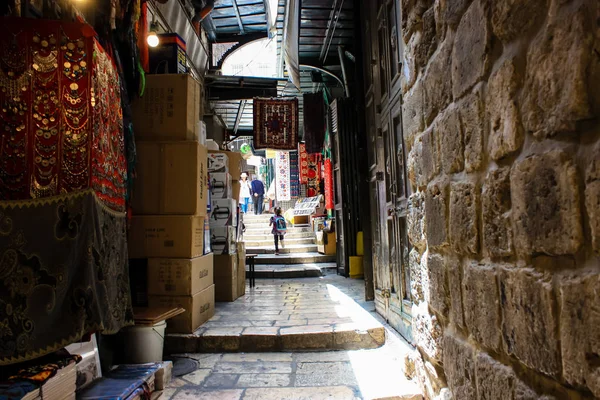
179, 276
235, 190
234, 162
218, 162
226, 278
162, 236
220, 185
171, 179
170, 108
241, 253
207, 246
224, 212
222, 240
198, 309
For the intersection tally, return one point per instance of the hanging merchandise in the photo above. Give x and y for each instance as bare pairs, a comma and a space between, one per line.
314, 122
303, 163
270, 154
62, 188
282, 173
314, 175
294, 175
275, 124
329, 185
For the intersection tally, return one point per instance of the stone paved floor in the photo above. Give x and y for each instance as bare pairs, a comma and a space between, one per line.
295, 314
354, 374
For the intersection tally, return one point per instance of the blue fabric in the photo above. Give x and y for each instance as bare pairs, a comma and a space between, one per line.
257, 187
244, 204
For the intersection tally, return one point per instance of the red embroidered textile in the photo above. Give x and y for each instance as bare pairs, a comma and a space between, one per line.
303, 163
275, 124
61, 125
329, 185
314, 175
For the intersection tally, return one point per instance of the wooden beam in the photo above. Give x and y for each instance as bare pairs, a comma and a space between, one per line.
238, 117
238, 16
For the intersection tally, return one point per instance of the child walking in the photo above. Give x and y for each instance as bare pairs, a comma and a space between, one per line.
279, 229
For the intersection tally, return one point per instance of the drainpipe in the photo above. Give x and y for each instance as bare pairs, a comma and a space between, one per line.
341, 56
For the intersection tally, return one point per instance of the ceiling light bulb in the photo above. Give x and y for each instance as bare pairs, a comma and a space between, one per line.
152, 39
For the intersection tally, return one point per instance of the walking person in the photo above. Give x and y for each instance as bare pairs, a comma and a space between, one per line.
245, 192
279, 229
258, 195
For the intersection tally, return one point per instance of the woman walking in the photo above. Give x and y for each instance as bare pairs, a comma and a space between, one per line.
244, 192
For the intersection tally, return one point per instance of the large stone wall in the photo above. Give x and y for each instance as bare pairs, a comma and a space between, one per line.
501, 120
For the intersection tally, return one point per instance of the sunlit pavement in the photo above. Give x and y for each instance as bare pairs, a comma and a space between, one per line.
346, 374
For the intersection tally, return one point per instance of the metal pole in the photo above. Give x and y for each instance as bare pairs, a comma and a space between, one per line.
341, 55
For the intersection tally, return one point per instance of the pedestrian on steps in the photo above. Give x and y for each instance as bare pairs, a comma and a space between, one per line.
279, 229
258, 195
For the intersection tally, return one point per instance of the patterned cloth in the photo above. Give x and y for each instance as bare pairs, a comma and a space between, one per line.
303, 156
329, 195
294, 175
314, 122
275, 124
314, 175
282, 174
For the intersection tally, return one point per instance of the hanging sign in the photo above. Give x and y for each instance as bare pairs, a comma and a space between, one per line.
306, 206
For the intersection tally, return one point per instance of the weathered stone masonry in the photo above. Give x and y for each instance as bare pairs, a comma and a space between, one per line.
501, 118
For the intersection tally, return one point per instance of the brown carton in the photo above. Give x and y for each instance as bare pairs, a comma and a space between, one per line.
235, 164
166, 236
171, 178
198, 309
179, 276
226, 278
170, 109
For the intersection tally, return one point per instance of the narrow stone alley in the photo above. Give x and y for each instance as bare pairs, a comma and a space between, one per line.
281, 317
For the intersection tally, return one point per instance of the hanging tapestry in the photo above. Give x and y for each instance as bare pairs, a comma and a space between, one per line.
329, 185
314, 122
61, 120
294, 175
275, 124
282, 176
63, 177
303, 156
314, 175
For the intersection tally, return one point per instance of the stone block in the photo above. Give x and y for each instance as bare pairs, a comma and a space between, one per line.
545, 202
592, 199
511, 18
430, 156
454, 271
448, 131
413, 164
417, 276
464, 231
436, 214
412, 114
416, 220
471, 53
504, 120
410, 68
494, 379
556, 92
496, 204
413, 11
438, 294
580, 330
428, 40
529, 327
481, 303
427, 332
459, 366
451, 11
472, 119
437, 83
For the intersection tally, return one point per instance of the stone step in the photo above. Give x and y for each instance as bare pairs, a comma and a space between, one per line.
266, 230
290, 235
291, 248
294, 258
290, 271
268, 241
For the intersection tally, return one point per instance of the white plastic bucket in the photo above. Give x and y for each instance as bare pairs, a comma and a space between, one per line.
144, 344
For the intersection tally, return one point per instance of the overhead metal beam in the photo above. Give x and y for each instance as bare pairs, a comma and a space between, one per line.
210, 28
238, 16
331, 26
238, 117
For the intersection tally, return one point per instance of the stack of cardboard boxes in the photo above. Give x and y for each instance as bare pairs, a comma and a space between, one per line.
170, 200
224, 176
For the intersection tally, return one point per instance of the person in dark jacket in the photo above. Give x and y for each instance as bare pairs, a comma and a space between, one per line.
258, 195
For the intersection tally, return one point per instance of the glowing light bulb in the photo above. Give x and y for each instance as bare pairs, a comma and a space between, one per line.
152, 39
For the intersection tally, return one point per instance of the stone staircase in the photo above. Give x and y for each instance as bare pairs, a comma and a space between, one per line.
298, 258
